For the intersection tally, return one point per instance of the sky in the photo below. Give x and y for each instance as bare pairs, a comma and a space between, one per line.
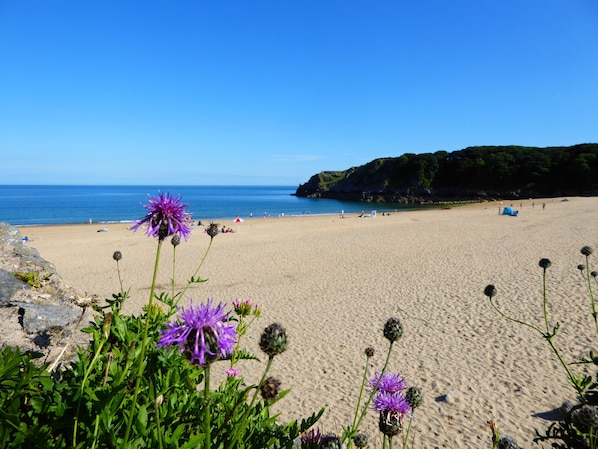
255, 92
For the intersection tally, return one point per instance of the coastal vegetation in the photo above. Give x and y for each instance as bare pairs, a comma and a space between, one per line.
471, 174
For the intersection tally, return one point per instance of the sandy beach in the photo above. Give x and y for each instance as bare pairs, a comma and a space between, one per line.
333, 282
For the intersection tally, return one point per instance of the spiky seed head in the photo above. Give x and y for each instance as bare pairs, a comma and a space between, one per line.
544, 263
414, 397
270, 389
360, 440
393, 329
369, 352
274, 340
117, 255
586, 250
490, 291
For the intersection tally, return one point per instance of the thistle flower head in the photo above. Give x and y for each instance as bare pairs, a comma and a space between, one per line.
212, 230
270, 389
330, 441
391, 403
311, 438
274, 340
544, 263
387, 383
117, 255
369, 352
166, 216
586, 250
490, 291
390, 424
360, 440
393, 329
203, 333
414, 397
176, 240
594, 273
245, 307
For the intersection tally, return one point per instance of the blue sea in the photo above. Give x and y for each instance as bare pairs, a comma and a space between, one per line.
28, 205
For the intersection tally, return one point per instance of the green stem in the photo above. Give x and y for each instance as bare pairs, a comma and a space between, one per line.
95, 432
514, 320
363, 381
120, 280
406, 439
355, 427
206, 391
243, 423
572, 379
143, 347
157, 415
96, 356
173, 269
195, 273
591, 293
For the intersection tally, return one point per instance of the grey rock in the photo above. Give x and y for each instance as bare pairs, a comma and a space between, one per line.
39, 318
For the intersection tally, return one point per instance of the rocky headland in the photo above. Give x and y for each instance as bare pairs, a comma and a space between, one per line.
40, 312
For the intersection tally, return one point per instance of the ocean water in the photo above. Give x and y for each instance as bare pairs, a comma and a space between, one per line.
23, 205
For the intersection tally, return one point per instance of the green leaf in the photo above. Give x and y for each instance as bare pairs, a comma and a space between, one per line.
141, 420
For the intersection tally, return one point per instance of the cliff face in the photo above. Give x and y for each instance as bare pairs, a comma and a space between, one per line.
472, 174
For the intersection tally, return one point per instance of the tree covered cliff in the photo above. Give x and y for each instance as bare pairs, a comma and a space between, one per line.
474, 173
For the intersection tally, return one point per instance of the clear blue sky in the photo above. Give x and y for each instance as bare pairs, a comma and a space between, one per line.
272, 92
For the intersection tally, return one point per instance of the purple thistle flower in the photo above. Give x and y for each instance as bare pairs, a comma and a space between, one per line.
203, 333
311, 438
391, 404
388, 383
166, 216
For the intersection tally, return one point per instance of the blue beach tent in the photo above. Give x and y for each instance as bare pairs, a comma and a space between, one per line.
509, 211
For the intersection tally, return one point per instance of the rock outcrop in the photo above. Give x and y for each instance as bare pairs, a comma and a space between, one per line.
39, 311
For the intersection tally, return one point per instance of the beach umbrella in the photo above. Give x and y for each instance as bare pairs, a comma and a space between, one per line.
239, 220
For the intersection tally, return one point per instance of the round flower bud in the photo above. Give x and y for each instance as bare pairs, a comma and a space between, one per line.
360, 440
586, 250
369, 352
544, 263
581, 267
414, 397
176, 239
594, 273
117, 255
270, 388
490, 291
212, 230
393, 329
274, 340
